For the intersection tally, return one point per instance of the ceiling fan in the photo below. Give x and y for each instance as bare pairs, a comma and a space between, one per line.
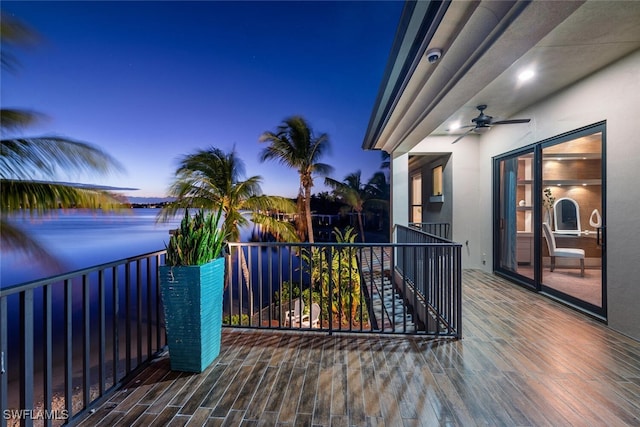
483, 123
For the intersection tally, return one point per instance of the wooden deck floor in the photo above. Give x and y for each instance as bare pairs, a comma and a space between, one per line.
524, 360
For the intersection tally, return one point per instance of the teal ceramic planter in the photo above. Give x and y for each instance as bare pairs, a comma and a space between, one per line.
192, 301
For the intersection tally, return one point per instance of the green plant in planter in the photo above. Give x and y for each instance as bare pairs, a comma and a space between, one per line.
192, 288
197, 241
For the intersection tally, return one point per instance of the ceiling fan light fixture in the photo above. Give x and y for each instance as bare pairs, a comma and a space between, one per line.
483, 122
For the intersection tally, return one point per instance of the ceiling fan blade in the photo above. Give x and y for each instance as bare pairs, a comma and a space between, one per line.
463, 135
509, 122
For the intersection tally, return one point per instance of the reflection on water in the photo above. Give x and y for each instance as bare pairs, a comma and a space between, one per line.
81, 238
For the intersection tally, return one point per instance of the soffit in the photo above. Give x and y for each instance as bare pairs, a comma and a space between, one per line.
486, 44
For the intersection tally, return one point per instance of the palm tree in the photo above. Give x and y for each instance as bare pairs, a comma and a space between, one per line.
28, 165
211, 179
295, 145
386, 160
357, 195
379, 191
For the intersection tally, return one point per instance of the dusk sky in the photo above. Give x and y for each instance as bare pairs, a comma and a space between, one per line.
149, 82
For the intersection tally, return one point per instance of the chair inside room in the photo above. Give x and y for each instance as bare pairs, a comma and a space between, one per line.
554, 251
292, 317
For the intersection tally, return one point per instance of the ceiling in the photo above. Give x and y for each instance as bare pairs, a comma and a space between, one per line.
485, 45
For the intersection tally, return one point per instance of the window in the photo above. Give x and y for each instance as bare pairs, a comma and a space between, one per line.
436, 174
416, 198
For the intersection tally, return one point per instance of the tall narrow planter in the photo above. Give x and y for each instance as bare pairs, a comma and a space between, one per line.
192, 301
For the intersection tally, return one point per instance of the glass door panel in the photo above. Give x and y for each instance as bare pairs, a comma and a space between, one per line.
515, 248
572, 207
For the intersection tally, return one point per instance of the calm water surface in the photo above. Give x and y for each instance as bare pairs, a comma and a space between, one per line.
80, 239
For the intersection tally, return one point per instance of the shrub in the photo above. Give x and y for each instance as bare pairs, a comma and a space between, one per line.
198, 240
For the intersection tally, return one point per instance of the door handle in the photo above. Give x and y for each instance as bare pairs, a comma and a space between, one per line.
600, 234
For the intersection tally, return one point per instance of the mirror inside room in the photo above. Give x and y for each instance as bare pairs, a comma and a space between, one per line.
566, 216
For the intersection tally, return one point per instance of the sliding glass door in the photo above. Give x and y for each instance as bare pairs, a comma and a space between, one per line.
550, 218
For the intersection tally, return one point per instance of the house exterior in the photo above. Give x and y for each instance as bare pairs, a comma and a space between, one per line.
580, 142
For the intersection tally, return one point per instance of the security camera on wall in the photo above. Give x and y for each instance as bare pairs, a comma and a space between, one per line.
433, 55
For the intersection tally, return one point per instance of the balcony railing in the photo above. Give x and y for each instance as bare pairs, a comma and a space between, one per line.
67, 341
440, 229
412, 286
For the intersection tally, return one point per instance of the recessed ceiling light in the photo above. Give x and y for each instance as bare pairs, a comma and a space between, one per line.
526, 75
454, 126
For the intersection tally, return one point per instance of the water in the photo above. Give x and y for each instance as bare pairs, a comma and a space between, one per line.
80, 239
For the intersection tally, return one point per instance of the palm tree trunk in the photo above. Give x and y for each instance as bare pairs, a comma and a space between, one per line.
245, 274
307, 203
301, 219
360, 225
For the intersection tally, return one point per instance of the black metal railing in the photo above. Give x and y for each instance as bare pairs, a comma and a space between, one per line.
431, 276
67, 341
412, 286
440, 229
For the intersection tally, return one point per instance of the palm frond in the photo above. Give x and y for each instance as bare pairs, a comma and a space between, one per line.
27, 158
386, 160
271, 204
295, 145
37, 196
283, 231
14, 33
12, 119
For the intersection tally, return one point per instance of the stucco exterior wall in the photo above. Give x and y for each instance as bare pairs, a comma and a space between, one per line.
400, 189
464, 169
609, 95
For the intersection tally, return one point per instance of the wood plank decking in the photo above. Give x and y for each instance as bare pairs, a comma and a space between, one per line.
524, 360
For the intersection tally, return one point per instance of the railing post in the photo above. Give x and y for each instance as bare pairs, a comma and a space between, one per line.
149, 309
68, 348
138, 312
115, 322
47, 368
127, 315
4, 383
26, 346
458, 291
330, 285
86, 341
103, 333
159, 314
